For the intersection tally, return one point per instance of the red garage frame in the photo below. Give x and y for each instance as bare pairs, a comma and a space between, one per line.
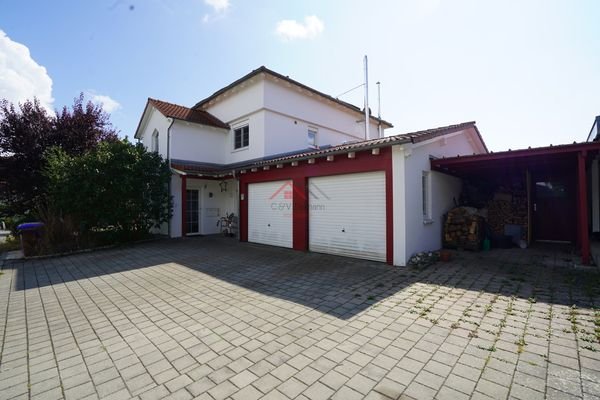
301, 171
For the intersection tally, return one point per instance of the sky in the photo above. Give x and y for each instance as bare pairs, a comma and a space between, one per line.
527, 71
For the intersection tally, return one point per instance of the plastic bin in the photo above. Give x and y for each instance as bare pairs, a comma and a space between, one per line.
30, 234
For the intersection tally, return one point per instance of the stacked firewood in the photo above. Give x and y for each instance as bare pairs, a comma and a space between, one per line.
463, 229
507, 211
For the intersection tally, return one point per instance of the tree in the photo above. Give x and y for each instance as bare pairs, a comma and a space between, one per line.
117, 186
28, 131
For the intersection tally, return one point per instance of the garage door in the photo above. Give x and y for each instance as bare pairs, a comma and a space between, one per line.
270, 213
347, 215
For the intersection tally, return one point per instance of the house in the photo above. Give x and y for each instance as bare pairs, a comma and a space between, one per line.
298, 169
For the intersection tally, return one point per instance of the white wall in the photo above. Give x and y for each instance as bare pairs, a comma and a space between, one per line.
285, 134
412, 160
399, 206
155, 120
286, 99
240, 103
196, 142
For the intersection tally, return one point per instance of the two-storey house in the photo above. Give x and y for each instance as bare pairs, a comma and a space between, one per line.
296, 167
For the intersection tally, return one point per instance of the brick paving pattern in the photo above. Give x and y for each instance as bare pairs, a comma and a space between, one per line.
210, 318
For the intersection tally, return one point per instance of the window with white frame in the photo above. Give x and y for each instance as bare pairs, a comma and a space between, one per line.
241, 137
312, 137
155, 141
426, 193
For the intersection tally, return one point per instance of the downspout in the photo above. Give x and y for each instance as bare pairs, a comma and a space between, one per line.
169, 163
237, 200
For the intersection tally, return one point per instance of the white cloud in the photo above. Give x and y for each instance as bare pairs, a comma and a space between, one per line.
108, 104
21, 78
219, 7
289, 29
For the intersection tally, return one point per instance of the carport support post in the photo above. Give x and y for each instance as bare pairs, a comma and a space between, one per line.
183, 204
583, 209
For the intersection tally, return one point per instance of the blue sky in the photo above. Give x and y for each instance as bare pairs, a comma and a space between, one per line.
527, 71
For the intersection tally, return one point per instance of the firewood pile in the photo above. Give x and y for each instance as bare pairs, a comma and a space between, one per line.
463, 229
506, 209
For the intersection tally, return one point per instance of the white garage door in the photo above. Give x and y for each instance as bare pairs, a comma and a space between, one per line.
270, 213
347, 215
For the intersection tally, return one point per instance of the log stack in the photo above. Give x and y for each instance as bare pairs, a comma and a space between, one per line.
463, 229
507, 210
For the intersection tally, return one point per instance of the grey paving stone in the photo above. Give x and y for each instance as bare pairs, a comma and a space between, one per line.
200, 386
284, 316
266, 383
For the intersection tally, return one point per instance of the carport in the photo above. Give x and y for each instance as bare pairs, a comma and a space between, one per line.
557, 183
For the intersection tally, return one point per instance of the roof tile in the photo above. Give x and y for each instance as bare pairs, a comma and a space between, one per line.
187, 114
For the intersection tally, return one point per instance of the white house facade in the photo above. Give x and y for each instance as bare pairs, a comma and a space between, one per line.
296, 168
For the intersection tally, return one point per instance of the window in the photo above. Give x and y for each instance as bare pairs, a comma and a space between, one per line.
241, 137
155, 141
426, 197
312, 137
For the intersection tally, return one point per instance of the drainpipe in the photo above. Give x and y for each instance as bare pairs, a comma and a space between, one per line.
367, 114
171, 120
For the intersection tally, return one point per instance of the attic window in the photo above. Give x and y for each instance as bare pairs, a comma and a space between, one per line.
312, 137
241, 137
155, 141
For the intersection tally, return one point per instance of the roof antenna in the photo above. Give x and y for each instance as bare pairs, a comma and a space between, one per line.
367, 119
379, 108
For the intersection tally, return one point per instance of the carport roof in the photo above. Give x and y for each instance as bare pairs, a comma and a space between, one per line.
479, 164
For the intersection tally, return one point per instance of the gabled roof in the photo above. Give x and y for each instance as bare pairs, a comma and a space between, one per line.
266, 70
183, 113
412, 137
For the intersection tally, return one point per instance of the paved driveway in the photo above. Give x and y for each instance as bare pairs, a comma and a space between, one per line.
211, 318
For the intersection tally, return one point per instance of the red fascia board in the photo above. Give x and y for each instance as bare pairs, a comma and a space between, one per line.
539, 151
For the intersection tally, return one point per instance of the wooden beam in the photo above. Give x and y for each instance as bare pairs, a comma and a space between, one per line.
584, 233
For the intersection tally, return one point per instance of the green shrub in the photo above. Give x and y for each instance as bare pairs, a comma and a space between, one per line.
115, 192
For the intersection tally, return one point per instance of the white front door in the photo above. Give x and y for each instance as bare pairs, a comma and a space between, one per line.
347, 215
270, 209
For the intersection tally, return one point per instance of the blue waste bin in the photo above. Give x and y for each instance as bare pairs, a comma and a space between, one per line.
30, 234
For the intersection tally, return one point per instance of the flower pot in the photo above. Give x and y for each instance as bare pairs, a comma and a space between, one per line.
445, 255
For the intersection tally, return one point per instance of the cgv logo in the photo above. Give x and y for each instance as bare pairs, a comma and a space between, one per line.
282, 198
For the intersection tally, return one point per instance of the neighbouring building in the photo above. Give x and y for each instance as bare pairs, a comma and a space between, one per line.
296, 167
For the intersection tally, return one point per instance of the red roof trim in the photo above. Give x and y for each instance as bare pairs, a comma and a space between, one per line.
521, 153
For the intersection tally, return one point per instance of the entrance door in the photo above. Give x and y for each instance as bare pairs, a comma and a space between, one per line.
192, 212
554, 208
